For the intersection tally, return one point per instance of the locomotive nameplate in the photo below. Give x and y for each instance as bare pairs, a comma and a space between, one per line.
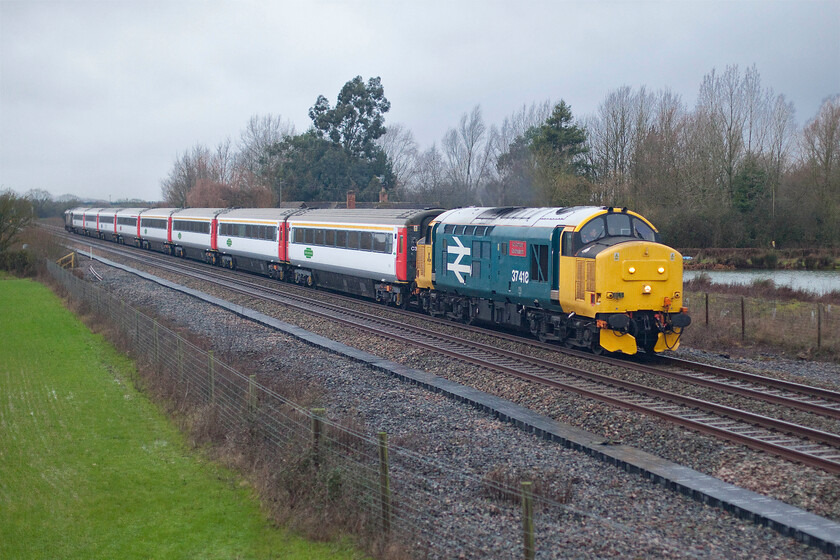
518, 248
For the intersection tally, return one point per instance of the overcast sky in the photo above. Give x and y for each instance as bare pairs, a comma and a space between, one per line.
98, 98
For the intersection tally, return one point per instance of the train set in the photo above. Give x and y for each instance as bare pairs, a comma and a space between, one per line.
584, 276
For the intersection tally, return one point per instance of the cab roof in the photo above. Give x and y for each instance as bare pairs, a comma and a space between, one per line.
570, 216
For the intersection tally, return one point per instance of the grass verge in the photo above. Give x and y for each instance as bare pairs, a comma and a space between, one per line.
89, 468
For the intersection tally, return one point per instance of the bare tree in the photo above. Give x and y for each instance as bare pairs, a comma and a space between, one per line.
821, 149
401, 149
468, 149
781, 131
187, 170
262, 132
429, 183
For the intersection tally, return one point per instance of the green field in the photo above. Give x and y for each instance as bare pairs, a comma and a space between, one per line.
89, 468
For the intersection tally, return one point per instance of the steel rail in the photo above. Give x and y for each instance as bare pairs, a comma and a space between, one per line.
437, 342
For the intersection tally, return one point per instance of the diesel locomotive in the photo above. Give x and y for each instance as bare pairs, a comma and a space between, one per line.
589, 277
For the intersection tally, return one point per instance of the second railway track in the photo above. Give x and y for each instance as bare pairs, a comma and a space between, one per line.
795, 442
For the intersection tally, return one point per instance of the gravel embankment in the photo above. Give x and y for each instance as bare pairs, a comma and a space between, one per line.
624, 516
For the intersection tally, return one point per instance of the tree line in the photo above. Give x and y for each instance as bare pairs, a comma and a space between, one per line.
732, 171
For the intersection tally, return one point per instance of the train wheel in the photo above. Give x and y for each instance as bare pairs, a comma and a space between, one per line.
595, 345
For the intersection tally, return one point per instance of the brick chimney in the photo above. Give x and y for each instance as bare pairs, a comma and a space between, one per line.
383, 195
351, 199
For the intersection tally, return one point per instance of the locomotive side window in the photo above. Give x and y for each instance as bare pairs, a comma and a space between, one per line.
539, 263
568, 244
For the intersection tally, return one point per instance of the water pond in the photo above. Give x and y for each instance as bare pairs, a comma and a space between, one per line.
815, 281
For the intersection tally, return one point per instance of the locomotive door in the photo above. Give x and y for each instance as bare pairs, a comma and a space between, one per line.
563, 283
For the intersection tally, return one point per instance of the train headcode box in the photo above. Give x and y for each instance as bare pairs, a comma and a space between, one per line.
518, 248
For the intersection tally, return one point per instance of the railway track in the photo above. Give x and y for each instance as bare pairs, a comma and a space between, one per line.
792, 441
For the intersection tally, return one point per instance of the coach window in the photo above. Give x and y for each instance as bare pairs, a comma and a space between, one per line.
341, 238
379, 242
353, 240
329, 238
366, 241
308, 236
319, 236
298, 235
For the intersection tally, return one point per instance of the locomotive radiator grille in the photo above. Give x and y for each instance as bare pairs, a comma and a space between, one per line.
580, 276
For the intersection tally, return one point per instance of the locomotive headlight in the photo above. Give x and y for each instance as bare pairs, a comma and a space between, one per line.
661, 270
632, 270
647, 289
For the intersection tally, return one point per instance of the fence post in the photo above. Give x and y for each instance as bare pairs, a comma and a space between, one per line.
157, 343
252, 393
317, 428
137, 331
212, 377
743, 321
180, 360
707, 308
384, 483
528, 520
819, 326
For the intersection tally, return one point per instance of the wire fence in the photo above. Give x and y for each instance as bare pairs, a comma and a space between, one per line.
790, 324
399, 503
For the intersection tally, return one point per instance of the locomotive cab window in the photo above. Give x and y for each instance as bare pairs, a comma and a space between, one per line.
592, 231
618, 225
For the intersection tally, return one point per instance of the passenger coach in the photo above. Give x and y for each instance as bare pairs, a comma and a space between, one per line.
365, 252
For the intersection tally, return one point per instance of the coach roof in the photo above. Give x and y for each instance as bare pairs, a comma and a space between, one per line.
373, 216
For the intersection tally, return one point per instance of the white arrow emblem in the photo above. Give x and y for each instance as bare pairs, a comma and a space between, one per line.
456, 266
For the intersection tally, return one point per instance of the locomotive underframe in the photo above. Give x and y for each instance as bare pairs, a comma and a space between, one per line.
570, 329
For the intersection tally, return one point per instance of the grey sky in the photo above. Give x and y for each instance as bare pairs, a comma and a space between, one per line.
98, 98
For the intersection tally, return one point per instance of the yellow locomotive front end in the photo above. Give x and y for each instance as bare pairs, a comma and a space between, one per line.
614, 272
638, 302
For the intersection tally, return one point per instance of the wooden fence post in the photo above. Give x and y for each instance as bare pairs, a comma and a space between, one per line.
384, 483
212, 378
157, 343
819, 326
707, 309
317, 429
528, 520
743, 321
252, 393
180, 360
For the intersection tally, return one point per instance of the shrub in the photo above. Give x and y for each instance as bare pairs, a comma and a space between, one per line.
19, 263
